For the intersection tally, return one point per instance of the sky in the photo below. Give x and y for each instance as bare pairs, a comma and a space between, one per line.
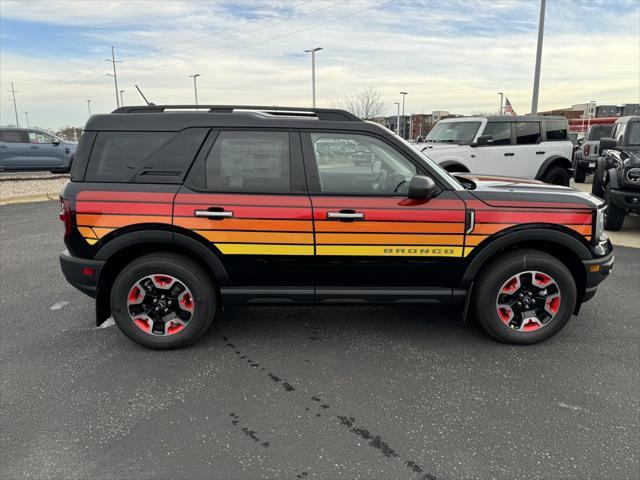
452, 55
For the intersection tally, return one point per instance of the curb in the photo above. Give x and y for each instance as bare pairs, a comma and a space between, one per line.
41, 197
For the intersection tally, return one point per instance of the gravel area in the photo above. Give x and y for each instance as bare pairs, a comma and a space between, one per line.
30, 184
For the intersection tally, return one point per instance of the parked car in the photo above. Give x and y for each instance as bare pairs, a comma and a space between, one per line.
617, 177
522, 146
169, 216
587, 154
33, 149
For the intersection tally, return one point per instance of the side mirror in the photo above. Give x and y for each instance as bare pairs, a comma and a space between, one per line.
421, 188
607, 143
484, 140
55, 141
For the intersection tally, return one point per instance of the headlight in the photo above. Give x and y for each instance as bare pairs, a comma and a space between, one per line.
633, 176
599, 234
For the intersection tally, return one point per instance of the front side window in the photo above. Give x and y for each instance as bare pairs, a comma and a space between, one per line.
500, 132
250, 161
359, 164
39, 137
453, 132
634, 134
556, 130
527, 133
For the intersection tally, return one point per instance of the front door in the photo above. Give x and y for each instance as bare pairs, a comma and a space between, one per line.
43, 152
368, 233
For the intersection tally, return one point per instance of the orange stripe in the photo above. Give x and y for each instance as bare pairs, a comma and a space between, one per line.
257, 237
101, 232
373, 239
118, 220
475, 239
86, 232
381, 227
240, 224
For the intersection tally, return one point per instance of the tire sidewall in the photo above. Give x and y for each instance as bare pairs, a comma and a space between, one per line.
503, 269
615, 215
187, 272
560, 173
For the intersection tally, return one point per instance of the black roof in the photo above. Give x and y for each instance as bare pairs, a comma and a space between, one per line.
178, 117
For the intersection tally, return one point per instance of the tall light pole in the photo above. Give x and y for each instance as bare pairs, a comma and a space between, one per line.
313, 51
403, 122
115, 75
26, 116
536, 76
195, 85
501, 102
121, 100
398, 123
15, 108
89, 106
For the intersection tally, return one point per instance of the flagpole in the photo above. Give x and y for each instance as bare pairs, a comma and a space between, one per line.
536, 77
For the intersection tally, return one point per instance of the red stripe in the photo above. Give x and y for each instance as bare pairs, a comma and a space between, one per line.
533, 217
384, 202
220, 199
126, 196
248, 212
124, 207
399, 215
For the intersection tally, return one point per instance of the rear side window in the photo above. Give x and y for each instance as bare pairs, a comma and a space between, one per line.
556, 130
600, 131
500, 132
527, 132
143, 157
251, 161
13, 136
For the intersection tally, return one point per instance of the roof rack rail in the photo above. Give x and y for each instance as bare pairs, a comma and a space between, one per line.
320, 113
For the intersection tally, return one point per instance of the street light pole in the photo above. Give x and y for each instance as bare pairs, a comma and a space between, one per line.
195, 85
115, 75
536, 77
121, 100
89, 106
501, 102
313, 51
398, 118
404, 123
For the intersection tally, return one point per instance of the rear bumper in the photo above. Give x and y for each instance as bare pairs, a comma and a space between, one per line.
82, 273
587, 164
626, 199
597, 270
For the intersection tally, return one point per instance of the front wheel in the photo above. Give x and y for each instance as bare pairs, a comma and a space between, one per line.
557, 176
524, 297
597, 186
614, 216
163, 300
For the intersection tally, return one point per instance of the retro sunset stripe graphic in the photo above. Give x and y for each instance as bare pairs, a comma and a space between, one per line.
299, 225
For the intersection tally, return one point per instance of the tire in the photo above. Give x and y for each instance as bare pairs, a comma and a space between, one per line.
557, 176
579, 174
190, 310
524, 264
597, 187
614, 216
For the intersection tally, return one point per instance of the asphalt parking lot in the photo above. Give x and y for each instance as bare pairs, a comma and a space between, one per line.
322, 392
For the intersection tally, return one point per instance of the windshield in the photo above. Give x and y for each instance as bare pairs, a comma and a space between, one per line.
453, 132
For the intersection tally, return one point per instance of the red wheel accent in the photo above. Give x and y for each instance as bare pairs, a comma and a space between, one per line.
134, 294
186, 302
142, 324
553, 305
511, 286
542, 280
174, 328
506, 314
530, 326
162, 281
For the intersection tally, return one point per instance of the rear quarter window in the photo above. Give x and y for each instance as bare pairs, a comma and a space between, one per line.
143, 157
557, 130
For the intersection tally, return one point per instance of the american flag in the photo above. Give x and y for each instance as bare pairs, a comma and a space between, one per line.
508, 109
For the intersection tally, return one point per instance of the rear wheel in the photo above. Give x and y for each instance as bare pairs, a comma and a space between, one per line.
614, 217
557, 176
597, 186
163, 301
579, 174
524, 297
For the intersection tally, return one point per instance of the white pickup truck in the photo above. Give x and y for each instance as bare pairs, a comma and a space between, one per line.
518, 146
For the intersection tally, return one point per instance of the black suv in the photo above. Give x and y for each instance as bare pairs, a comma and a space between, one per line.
170, 214
617, 177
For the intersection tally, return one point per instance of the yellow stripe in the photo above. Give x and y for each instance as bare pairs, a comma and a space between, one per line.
468, 250
262, 249
91, 241
390, 250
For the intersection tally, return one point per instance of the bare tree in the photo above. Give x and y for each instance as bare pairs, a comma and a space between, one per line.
479, 113
365, 103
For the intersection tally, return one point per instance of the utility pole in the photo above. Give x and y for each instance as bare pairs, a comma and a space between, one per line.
404, 124
398, 123
26, 116
313, 51
115, 75
15, 108
89, 106
536, 76
195, 85
121, 100
501, 102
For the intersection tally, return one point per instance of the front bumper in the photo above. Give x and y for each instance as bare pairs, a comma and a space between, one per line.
82, 273
597, 270
626, 199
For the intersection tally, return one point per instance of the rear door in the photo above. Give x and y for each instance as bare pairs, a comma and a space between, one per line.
13, 149
246, 198
368, 233
530, 152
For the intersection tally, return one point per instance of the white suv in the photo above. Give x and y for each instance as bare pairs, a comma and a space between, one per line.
519, 146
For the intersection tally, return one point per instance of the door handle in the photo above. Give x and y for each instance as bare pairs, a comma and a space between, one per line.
214, 213
540, 153
511, 154
34, 147
345, 215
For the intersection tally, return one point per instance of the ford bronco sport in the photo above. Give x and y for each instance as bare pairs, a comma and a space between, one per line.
170, 214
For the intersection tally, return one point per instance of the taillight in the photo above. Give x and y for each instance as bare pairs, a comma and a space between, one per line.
65, 216
586, 149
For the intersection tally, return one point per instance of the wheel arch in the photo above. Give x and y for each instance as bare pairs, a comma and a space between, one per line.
553, 161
